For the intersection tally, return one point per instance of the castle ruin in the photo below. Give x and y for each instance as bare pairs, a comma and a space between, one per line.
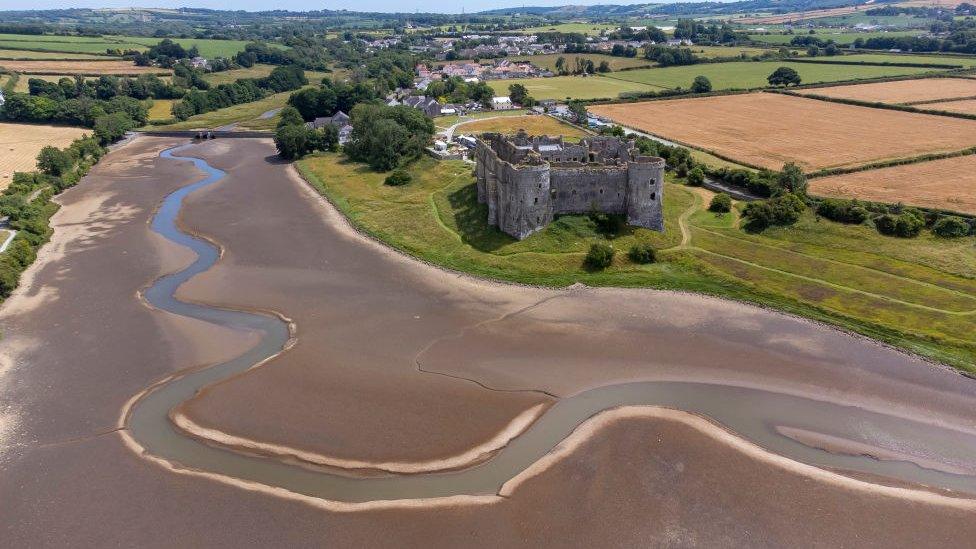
527, 181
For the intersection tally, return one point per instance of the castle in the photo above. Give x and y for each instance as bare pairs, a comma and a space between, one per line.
526, 181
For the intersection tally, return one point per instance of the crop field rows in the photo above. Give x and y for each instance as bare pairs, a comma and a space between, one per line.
901, 91
20, 143
110, 66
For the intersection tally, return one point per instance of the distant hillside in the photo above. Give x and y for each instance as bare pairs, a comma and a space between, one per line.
684, 8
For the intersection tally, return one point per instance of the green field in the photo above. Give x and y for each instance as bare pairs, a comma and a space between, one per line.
939, 59
257, 71
246, 114
85, 44
747, 74
561, 87
160, 109
843, 38
919, 294
25, 54
592, 29
548, 61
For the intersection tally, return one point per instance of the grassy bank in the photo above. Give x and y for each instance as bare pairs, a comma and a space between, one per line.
918, 294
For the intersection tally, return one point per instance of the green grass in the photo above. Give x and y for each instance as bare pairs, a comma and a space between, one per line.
246, 114
842, 38
26, 54
592, 29
548, 61
943, 59
85, 44
748, 74
577, 87
160, 109
444, 122
919, 294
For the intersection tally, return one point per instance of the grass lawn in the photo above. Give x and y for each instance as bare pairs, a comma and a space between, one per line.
919, 294
562, 87
243, 113
533, 125
160, 109
750, 74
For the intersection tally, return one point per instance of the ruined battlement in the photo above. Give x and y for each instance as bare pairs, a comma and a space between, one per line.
528, 180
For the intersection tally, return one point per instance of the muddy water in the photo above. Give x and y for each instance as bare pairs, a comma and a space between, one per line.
753, 414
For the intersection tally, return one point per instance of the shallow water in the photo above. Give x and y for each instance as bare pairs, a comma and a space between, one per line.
751, 413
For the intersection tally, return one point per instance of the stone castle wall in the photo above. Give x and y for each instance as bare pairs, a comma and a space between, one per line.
527, 181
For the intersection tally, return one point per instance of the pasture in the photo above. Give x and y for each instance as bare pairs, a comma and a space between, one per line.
99, 44
20, 143
161, 109
768, 129
901, 91
966, 61
548, 61
245, 114
576, 87
591, 29
946, 184
752, 74
533, 125
26, 54
843, 38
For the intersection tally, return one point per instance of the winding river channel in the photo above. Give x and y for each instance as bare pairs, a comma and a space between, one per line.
756, 415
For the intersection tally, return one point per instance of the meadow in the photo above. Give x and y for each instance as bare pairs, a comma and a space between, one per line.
26, 54
575, 87
247, 115
161, 109
591, 29
533, 125
548, 61
965, 61
87, 67
99, 45
919, 294
752, 74
769, 129
840, 37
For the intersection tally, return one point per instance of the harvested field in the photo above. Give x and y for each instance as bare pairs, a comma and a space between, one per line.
967, 106
948, 184
534, 125
20, 143
768, 130
46, 66
902, 91
798, 16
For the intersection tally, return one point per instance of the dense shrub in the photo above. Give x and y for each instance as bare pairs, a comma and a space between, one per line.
295, 141
642, 253
387, 137
397, 178
600, 256
907, 224
951, 226
843, 211
696, 177
609, 225
781, 210
721, 203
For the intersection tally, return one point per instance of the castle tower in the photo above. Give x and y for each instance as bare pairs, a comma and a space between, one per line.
645, 189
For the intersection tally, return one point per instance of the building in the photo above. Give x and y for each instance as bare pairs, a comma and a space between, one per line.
527, 181
502, 103
340, 120
428, 105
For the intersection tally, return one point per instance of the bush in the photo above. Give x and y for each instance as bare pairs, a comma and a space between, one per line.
907, 224
721, 203
642, 253
782, 210
696, 177
701, 85
843, 211
609, 225
600, 256
398, 178
951, 226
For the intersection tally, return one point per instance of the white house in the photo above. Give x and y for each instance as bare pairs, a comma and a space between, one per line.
501, 102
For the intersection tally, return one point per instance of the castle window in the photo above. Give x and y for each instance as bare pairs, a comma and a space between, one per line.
538, 220
601, 191
653, 196
536, 200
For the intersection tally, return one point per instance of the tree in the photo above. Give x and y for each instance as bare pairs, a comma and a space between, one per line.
561, 64
781, 210
792, 179
291, 141
517, 93
397, 178
600, 256
951, 226
604, 67
578, 110
701, 85
290, 117
784, 76
111, 127
696, 177
54, 161
721, 203
387, 137
907, 224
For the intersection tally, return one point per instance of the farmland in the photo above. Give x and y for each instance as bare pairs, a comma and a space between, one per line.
751, 74
256, 71
99, 45
20, 143
533, 125
841, 37
768, 130
592, 29
798, 16
948, 184
965, 107
160, 109
548, 61
47, 66
917, 59
561, 87
913, 293
901, 91
25, 54
245, 114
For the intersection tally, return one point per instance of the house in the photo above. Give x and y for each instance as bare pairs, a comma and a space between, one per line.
199, 63
338, 119
501, 103
448, 109
680, 42
428, 105
2, 99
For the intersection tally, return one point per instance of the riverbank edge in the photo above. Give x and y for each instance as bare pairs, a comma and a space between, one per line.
921, 348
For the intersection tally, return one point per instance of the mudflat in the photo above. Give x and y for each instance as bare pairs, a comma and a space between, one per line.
398, 361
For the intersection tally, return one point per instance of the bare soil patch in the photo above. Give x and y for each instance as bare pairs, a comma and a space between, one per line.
901, 91
967, 106
20, 143
948, 184
48, 66
768, 130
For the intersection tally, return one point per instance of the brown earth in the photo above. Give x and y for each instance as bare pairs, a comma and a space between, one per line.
901, 91
20, 143
947, 184
967, 106
43, 66
768, 130
78, 344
